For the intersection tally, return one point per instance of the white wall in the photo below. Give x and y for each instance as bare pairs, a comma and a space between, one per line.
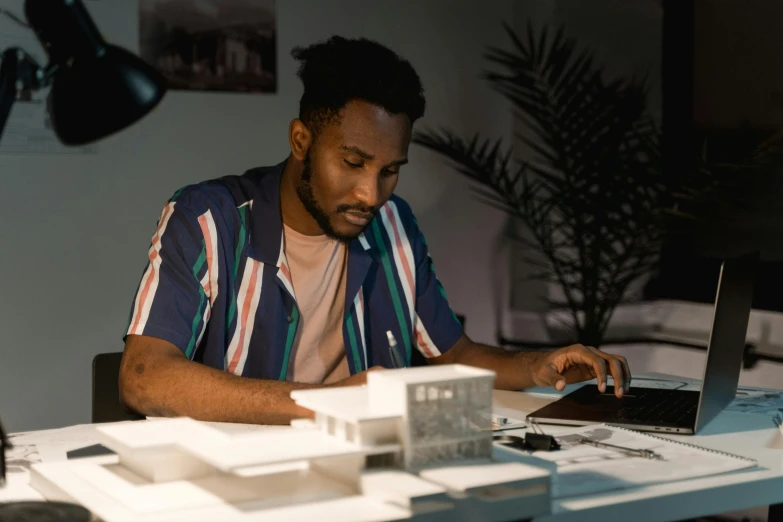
75, 230
690, 323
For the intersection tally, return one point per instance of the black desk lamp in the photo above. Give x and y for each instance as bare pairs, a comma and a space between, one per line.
97, 89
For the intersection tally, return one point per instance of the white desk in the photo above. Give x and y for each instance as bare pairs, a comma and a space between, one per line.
745, 434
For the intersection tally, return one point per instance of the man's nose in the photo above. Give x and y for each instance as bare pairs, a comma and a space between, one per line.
368, 191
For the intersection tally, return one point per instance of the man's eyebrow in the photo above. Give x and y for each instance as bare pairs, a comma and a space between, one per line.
359, 152
369, 157
398, 163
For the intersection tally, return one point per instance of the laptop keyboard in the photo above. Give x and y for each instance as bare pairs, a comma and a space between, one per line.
658, 407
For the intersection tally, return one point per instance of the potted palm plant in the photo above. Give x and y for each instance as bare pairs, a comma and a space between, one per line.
591, 191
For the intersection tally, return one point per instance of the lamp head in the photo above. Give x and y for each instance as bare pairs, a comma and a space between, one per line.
97, 88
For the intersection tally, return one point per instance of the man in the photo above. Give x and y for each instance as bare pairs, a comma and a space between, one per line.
298, 275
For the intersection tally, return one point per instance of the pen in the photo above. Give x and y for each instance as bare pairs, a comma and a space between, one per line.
647, 454
395, 356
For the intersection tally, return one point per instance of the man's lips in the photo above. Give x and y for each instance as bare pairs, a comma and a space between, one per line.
358, 218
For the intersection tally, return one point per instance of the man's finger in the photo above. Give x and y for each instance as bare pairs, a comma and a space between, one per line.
626, 372
615, 368
579, 373
618, 367
592, 358
548, 375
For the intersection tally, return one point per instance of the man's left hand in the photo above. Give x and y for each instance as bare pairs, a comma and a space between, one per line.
578, 363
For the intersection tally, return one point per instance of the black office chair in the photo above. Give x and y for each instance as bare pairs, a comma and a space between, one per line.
106, 405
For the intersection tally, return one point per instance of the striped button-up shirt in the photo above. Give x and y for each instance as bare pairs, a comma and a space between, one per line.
218, 286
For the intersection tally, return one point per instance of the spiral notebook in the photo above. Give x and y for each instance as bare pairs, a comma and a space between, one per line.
584, 469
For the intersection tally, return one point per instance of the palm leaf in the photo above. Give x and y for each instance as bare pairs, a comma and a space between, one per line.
590, 192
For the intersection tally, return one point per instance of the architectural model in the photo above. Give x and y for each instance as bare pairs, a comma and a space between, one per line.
413, 444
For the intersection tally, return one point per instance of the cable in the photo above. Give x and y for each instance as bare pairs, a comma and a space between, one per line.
14, 18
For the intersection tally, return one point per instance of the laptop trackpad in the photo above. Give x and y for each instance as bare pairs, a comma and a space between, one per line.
587, 404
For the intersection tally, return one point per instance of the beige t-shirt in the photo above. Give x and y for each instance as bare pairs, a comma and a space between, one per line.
318, 266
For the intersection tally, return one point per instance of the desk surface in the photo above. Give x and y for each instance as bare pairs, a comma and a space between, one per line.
745, 434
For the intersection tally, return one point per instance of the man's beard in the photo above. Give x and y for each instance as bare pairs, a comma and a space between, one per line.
304, 189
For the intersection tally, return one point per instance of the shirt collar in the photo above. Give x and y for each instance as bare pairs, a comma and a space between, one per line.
259, 188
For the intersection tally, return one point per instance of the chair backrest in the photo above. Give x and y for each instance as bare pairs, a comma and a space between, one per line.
106, 405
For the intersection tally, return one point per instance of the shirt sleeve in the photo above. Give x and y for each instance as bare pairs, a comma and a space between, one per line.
172, 300
436, 328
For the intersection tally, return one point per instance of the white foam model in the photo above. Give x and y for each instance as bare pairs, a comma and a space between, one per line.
413, 444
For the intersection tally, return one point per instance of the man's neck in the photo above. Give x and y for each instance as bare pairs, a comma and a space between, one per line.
295, 215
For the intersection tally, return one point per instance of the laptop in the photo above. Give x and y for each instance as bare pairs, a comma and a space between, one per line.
675, 411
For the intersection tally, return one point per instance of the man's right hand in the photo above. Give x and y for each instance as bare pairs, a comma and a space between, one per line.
156, 379
357, 379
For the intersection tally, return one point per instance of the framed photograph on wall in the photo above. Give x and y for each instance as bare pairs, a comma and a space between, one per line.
211, 45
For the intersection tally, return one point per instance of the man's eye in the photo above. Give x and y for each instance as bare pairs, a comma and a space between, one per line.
390, 172
353, 165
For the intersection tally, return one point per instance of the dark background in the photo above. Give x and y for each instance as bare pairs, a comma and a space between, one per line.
719, 80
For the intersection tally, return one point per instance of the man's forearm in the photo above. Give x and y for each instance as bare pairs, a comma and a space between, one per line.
512, 369
175, 386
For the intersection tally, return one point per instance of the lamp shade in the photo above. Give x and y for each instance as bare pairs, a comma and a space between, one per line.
97, 96
96, 88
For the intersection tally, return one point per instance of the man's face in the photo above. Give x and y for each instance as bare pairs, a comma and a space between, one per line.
351, 169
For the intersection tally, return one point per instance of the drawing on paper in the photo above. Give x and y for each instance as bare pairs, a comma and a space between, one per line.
757, 401
18, 459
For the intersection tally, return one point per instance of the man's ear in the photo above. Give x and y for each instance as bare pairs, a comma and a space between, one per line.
300, 138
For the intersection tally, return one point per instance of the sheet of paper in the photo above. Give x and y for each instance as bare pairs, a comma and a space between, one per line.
83, 434
18, 488
53, 445
50, 445
20, 457
42, 446
584, 469
762, 402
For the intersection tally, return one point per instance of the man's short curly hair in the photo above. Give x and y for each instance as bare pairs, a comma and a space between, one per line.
339, 70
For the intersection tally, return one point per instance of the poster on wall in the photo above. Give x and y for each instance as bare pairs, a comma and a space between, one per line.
211, 45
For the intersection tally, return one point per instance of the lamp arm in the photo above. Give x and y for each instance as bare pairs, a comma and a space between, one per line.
18, 71
8, 76
4, 444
